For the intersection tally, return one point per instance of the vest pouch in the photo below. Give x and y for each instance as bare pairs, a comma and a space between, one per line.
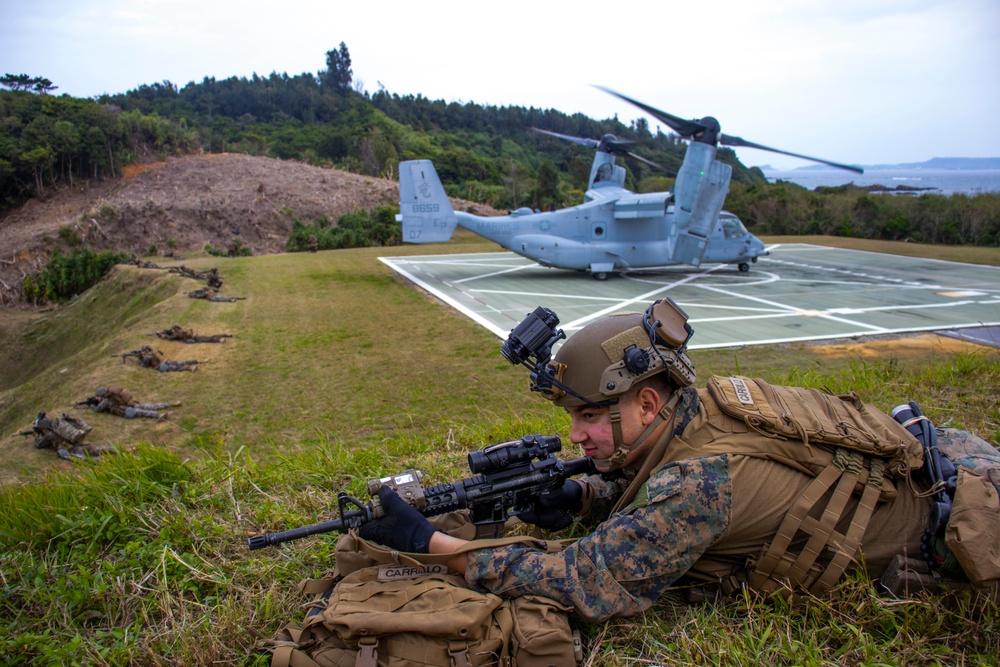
541, 635
817, 418
973, 532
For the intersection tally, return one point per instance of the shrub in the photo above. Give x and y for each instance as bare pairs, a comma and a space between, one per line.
235, 249
68, 275
70, 237
358, 229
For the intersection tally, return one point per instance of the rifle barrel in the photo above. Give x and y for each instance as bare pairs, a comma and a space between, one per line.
270, 539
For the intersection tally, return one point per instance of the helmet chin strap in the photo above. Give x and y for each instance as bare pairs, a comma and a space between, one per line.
617, 458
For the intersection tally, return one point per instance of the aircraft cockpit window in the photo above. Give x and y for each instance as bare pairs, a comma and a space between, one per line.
732, 228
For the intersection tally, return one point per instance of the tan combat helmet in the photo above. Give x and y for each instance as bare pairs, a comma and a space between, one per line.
606, 359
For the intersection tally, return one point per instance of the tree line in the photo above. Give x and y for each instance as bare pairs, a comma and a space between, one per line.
483, 153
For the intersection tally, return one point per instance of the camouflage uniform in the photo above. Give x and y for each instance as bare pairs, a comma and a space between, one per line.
187, 335
150, 358
169, 366
65, 435
176, 332
213, 279
210, 294
700, 520
119, 402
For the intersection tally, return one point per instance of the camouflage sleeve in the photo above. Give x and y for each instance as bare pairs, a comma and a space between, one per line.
606, 490
625, 565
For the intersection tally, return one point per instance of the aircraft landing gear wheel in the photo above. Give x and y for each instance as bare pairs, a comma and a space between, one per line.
600, 275
744, 267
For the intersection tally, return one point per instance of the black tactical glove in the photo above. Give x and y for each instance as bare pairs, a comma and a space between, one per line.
402, 528
551, 509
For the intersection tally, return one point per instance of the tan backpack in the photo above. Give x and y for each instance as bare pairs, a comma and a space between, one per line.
401, 616
71, 429
121, 396
386, 609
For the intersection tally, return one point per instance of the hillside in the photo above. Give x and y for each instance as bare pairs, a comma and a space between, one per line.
183, 203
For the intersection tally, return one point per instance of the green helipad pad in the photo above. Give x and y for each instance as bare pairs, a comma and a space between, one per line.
800, 292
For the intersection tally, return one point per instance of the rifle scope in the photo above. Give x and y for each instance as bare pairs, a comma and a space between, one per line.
516, 452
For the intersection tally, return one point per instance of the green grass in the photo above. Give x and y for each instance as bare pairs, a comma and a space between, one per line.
338, 372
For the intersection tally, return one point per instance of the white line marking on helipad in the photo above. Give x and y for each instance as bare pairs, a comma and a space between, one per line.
642, 297
495, 273
475, 317
545, 295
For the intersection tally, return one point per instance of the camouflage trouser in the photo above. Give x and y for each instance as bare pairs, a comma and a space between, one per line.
145, 410
84, 452
170, 366
968, 450
214, 338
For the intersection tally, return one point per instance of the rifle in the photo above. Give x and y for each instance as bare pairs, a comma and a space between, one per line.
31, 432
87, 401
509, 481
134, 353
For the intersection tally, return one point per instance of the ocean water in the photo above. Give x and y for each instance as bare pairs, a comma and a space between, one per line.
936, 181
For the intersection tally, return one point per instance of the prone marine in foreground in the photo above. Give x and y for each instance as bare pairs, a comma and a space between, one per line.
740, 484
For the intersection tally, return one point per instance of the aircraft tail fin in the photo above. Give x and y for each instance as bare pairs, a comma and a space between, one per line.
425, 211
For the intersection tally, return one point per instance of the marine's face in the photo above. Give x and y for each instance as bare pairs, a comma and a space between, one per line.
590, 428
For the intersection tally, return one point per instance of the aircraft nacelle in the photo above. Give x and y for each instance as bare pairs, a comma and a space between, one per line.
701, 189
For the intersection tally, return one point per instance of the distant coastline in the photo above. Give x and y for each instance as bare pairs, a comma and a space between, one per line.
895, 180
937, 163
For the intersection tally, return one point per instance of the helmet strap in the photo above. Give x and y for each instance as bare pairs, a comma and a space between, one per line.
617, 458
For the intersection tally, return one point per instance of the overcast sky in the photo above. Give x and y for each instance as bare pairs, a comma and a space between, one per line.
855, 81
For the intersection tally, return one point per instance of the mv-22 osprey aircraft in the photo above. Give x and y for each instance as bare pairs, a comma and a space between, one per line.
614, 229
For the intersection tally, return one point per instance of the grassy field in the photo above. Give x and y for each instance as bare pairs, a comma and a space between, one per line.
339, 371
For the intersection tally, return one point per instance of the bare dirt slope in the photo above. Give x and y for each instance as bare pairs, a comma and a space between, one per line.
181, 204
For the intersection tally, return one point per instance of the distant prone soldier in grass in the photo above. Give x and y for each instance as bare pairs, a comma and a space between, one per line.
213, 279
144, 264
211, 276
150, 358
187, 335
65, 435
119, 401
211, 294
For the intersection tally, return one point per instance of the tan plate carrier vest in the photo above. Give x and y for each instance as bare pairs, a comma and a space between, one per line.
841, 442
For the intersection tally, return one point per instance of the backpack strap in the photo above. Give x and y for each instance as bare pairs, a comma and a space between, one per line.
844, 472
367, 655
384, 555
288, 656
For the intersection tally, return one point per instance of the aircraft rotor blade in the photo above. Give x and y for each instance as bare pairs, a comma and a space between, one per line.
589, 143
615, 145
649, 162
688, 129
728, 140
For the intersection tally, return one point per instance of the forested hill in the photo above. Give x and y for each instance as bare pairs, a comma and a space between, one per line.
483, 153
